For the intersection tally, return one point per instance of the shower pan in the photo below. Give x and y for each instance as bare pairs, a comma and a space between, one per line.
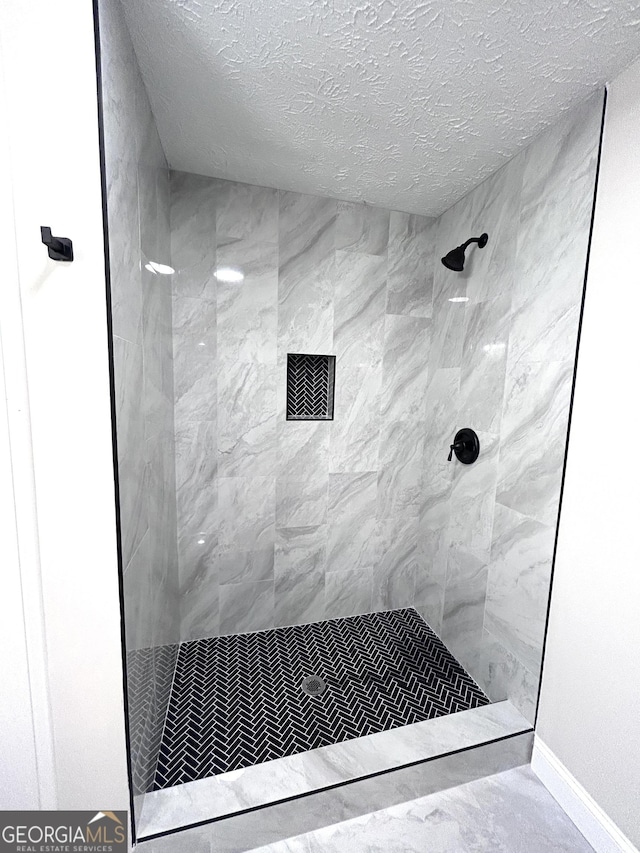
313, 593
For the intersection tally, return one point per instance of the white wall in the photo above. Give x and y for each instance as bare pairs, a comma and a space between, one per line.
590, 703
51, 115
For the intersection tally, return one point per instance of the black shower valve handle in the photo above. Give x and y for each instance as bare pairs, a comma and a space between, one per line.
457, 445
465, 445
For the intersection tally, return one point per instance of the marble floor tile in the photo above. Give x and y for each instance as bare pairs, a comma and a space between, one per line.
518, 584
511, 812
359, 304
362, 228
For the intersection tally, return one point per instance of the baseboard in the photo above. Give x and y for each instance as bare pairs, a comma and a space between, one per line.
596, 826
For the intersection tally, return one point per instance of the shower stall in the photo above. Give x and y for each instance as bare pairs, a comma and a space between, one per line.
303, 568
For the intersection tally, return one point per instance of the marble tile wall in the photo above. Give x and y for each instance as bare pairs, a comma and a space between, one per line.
282, 522
138, 208
502, 363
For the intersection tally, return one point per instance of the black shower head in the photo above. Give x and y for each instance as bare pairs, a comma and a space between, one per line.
454, 260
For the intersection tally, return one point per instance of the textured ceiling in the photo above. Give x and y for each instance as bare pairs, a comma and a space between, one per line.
402, 103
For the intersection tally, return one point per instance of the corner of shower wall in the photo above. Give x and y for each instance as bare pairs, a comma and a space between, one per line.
137, 181
502, 363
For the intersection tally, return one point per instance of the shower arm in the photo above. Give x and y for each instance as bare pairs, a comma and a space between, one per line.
471, 240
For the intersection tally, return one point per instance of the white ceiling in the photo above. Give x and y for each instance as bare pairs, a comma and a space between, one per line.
406, 104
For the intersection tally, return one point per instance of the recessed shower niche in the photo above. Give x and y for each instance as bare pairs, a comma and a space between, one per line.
310, 387
264, 517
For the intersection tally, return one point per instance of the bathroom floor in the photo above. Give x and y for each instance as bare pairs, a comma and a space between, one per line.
511, 812
237, 700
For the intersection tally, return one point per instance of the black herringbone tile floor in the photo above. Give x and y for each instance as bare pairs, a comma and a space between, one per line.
236, 701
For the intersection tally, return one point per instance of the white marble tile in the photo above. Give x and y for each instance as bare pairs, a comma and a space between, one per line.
449, 321
500, 674
244, 211
348, 593
299, 575
359, 304
246, 512
405, 368
237, 566
396, 566
193, 234
195, 386
355, 429
138, 597
441, 412
130, 426
351, 521
510, 811
301, 549
301, 503
303, 449
473, 496
247, 311
557, 199
246, 607
433, 544
483, 366
534, 427
246, 403
199, 593
400, 468
306, 275
518, 586
362, 228
194, 325
410, 265
464, 606
291, 776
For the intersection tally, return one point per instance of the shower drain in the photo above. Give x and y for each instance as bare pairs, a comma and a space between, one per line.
313, 685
